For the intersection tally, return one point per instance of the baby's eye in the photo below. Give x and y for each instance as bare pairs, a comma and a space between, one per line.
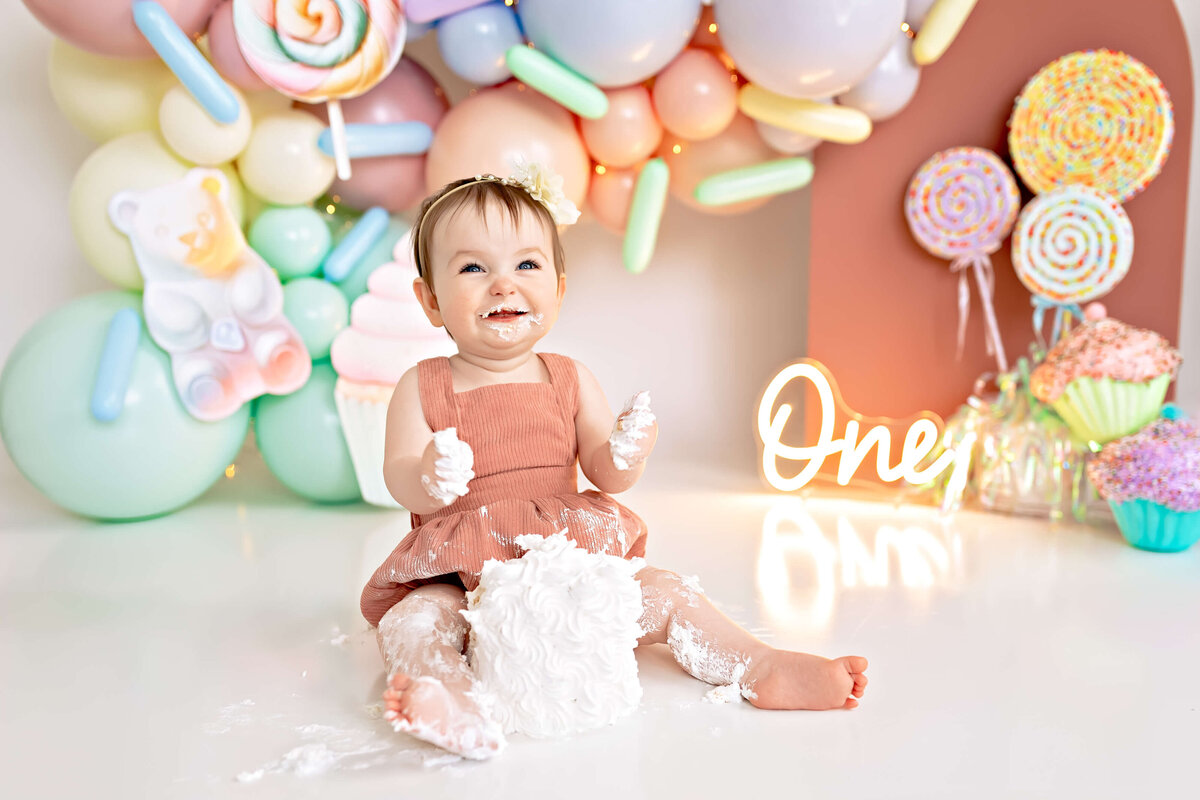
471, 268
527, 264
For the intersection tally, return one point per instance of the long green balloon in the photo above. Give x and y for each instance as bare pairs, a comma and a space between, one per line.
557, 82
759, 180
645, 214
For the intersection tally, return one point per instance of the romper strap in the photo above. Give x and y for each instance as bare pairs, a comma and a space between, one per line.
436, 386
564, 377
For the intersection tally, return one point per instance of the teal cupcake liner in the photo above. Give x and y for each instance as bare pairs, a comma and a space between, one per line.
1152, 526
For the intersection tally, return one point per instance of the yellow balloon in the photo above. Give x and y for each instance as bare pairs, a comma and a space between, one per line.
827, 121
196, 136
134, 161
943, 22
282, 163
107, 97
267, 101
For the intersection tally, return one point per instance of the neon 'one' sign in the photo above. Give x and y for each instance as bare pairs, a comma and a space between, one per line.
920, 439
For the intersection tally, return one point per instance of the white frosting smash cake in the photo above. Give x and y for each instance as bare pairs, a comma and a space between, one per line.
552, 638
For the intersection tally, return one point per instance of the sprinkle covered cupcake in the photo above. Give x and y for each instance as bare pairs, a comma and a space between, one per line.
388, 334
1106, 379
1152, 482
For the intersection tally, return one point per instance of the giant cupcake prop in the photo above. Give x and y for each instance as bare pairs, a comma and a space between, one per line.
388, 334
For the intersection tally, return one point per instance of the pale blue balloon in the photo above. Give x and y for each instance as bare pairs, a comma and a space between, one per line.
300, 437
355, 283
319, 312
153, 458
473, 42
612, 43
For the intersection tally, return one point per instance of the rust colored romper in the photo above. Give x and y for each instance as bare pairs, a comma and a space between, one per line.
523, 437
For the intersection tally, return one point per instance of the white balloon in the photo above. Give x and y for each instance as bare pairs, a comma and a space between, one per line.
890, 86
916, 11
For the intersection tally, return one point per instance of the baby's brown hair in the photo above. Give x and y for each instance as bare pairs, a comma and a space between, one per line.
513, 199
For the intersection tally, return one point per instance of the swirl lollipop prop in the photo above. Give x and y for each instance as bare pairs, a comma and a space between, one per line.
1098, 119
321, 51
961, 205
1071, 245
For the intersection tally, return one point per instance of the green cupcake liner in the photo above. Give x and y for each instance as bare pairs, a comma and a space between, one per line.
1152, 526
1104, 409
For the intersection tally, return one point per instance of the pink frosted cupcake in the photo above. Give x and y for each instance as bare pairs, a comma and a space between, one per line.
1106, 379
388, 334
1152, 482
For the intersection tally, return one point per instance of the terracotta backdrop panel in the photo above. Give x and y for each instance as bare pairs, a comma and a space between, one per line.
883, 311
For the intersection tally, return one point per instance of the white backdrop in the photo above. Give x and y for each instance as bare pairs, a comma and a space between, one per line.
720, 309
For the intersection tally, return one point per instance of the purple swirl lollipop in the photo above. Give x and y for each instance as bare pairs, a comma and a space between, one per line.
961, 205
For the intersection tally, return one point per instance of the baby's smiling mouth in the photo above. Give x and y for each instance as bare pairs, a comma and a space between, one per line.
504, 314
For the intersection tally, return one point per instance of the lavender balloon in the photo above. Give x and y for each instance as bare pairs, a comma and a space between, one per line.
807, 48
613, 43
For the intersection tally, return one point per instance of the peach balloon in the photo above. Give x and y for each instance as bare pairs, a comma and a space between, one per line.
610, 195
695, 96
224, 51
487, 131
628, 134
739, 145
106, 28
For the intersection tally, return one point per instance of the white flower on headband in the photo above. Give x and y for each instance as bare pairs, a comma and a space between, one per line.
545, 187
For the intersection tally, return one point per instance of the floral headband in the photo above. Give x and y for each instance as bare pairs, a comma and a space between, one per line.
542, 185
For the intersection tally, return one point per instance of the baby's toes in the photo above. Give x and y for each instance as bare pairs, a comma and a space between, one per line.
850, 703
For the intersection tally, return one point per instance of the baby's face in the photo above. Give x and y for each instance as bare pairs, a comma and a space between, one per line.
494, 283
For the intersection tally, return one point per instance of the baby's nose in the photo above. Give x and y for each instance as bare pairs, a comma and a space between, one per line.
502, 284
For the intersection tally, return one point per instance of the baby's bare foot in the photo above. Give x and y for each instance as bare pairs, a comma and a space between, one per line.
786, 680
433, 712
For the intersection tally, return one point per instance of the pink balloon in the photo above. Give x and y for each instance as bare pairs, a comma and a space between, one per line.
610, 196
226, 55
487, 131
739, 145
397, 183
628, 134
695, 96
105, 27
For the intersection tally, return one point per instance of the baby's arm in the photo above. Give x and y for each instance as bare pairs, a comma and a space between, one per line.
612, 469
423, 470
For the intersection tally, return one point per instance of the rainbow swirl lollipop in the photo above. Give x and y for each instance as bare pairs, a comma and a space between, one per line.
321, 50
1072, 245
961, 205
1095, 118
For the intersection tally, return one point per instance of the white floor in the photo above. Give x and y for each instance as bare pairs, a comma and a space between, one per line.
219, 652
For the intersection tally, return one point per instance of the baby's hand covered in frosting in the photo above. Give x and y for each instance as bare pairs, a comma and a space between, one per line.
632, 440
448, 467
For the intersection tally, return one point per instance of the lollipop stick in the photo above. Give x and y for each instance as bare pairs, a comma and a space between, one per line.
989, 313
337, 126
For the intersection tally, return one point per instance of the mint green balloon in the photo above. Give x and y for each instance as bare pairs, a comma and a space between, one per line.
355, 283
292, 239
152, 459
300, 438
319, 312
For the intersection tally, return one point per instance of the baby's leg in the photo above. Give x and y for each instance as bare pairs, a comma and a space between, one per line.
715, 649
421, 639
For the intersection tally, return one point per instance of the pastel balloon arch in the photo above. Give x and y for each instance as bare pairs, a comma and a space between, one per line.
298, 136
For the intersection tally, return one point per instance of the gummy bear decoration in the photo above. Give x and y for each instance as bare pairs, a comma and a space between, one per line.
210, 301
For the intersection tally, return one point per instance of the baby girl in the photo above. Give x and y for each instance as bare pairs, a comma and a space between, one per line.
483, 447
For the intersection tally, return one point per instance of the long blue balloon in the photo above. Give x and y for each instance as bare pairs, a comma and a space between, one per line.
391, 139
189, 64
350, 250
116, 365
